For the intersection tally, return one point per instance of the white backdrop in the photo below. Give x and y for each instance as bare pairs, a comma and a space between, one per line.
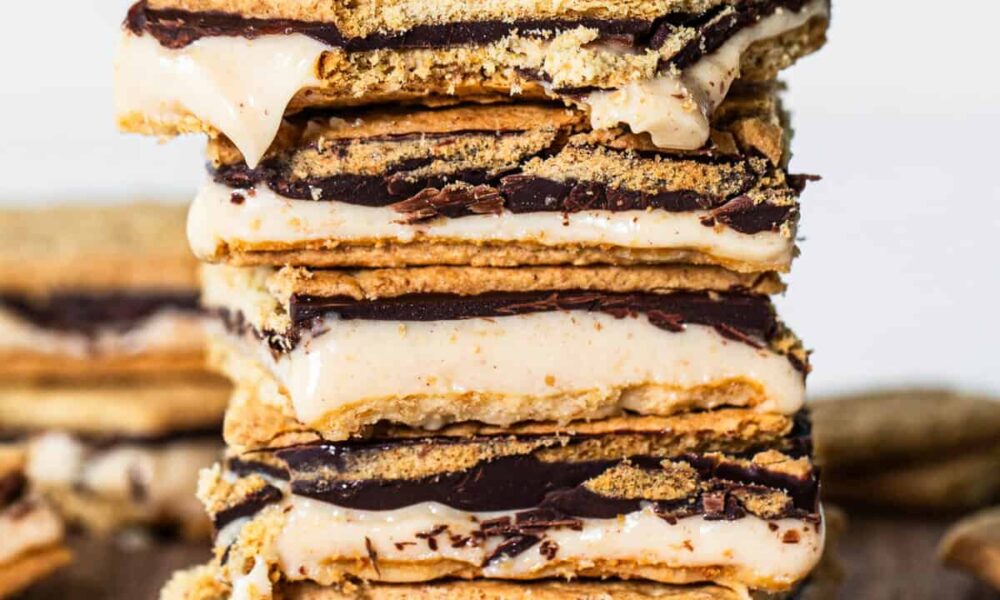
898, 281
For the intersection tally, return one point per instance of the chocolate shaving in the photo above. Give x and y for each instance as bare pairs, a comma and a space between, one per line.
512, 547
798, 182
372, 555
548, 549
735, 334
449, 202
746, 216
431, 536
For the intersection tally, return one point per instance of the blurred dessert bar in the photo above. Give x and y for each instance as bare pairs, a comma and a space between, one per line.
91, 292
919, 449
102, 363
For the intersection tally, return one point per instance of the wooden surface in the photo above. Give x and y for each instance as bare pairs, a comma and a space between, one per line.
886, 559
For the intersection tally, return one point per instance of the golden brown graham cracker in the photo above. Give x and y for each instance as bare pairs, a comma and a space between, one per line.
30, 568
375, 253
95, 248
156, 407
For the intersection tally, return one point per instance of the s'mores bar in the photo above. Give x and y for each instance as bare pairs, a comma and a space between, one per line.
102, 361
492, 281
728, 496
503, 185
336, 352
116, 454
31, 544
235, 67
113, 295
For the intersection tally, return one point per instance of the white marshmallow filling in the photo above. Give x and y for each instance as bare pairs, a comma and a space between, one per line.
241, 87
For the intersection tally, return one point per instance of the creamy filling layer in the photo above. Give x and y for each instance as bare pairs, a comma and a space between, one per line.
25, 526
264, 217
167, 331
529, 358
160, 479
241, 86
315, 533
676, 108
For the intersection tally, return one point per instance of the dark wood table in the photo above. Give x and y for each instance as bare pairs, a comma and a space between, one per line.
886, 559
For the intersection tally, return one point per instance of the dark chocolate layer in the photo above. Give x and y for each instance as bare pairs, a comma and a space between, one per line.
522, 482
177, 29
89, 313
426, 197
248, 507
743, 317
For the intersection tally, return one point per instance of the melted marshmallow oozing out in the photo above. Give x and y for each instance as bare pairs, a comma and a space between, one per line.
676, 109
265, 218
242, 86
532, 361
315, 532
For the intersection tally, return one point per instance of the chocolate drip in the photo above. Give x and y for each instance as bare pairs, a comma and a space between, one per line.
750, 315
248, 507
88, 313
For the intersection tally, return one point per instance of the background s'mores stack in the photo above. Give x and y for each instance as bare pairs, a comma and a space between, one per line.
102, 376
492, 280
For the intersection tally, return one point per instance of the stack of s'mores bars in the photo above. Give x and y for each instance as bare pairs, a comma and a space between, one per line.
102, 377
492, 280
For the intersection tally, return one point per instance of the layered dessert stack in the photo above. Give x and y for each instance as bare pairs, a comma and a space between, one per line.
102, 376
492, 280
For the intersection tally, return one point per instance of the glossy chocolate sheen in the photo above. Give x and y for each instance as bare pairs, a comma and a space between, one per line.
88, 313
177, 29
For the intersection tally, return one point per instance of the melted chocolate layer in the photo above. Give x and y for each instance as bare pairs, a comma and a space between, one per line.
525, 481
743, 317
250, 506
427, 197
89, 313
177, 29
